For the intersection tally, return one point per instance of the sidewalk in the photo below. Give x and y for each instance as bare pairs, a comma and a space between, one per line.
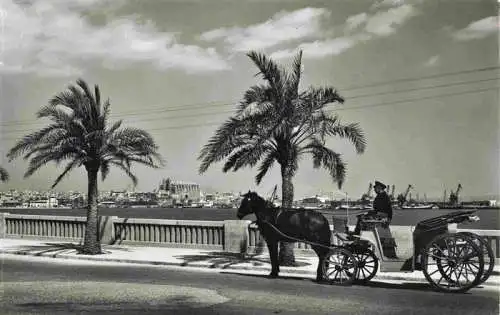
187, 258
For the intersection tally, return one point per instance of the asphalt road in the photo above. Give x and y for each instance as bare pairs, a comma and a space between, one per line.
489, 217
44, 286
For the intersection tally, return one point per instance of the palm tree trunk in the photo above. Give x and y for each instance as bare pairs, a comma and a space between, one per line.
91, 243
286, 254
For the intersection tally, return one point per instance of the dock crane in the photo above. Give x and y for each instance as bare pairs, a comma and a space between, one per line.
454, 196
402, 197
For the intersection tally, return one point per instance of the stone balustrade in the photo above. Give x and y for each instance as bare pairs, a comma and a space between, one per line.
233, 236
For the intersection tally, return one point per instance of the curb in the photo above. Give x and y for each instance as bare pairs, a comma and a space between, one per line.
287, 270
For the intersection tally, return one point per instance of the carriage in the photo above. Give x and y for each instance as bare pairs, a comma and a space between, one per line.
451, 261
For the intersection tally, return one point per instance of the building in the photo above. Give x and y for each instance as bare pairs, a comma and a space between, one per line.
180, 190
50, 202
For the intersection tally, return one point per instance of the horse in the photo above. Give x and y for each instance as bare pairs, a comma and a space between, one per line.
301, 224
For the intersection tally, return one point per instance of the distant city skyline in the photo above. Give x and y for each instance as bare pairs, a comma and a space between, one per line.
420, 76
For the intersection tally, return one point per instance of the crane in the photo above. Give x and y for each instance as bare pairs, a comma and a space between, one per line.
454, 196
402, 197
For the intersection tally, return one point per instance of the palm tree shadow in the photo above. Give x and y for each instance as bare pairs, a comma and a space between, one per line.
58, 248
225, 260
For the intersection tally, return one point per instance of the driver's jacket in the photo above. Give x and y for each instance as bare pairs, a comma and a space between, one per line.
382, 203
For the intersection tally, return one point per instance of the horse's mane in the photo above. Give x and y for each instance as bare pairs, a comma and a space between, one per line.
268, 204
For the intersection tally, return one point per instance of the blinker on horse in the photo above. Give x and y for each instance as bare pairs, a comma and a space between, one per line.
276, 224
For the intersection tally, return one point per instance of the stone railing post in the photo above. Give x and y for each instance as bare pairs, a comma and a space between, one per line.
236, 236
107, 229
3, 224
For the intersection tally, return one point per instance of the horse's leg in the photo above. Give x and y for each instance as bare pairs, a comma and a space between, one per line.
272, 245
322, 253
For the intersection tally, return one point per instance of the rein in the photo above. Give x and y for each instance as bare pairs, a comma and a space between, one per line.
293, 238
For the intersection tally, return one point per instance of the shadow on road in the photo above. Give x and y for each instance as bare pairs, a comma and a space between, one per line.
413, 286
57, 248
267, 276
225, 260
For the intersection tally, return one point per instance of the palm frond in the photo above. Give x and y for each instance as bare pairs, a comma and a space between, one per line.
297, 72
265, 166
332, 126
246, 156
4, 175
104, 170
55, 114
105, 114
317, 98
221, 144
270, 71
328, 159
127, 171
29, 142
115, 126
257, 94
71, 165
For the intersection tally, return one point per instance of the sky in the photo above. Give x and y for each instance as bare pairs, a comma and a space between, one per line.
419, 76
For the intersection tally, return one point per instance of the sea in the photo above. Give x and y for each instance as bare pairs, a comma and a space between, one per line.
489, 217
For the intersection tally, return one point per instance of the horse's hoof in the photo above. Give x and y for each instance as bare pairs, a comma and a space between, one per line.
273, 275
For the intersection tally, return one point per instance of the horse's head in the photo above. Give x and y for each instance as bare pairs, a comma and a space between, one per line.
250, 204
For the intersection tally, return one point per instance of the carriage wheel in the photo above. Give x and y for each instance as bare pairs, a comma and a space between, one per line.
452, 263
367, 266
340, 267
488, 255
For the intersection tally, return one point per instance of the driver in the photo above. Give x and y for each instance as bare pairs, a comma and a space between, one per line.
382, 208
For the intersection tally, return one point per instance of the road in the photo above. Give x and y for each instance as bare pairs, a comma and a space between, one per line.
489, 217
36, 285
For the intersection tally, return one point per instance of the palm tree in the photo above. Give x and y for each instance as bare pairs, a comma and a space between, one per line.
4, 176
275, 122
79, 133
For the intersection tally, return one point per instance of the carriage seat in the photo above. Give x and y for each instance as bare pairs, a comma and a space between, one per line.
341, 234
397, 241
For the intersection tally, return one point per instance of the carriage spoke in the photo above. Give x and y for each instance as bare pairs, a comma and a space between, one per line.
436, 246
440, 279
438, 257
433, 272
363, 271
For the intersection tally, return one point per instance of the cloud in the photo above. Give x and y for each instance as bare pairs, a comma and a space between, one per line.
432, 61
478, 29
280, 28
321, 48
53, 38
357, 28
393, 3
384, 23
355, 21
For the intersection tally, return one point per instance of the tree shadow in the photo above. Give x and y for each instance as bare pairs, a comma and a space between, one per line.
265, 276
58, 248
223, 260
